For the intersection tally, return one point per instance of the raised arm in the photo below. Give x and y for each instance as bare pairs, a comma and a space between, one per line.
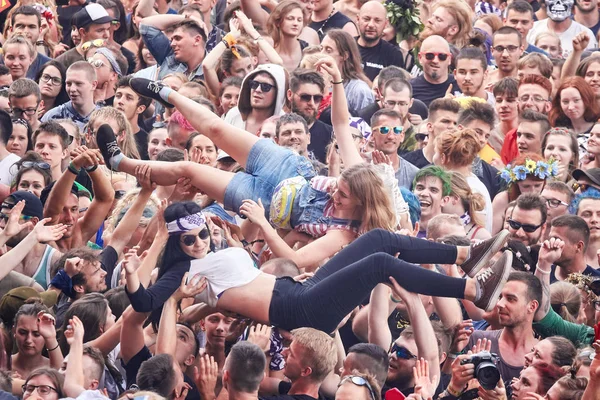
145, 8
340, 116
379, 312
264, 45
550, 251
255, 12
47, 329
580, 43
74, 376
162, 21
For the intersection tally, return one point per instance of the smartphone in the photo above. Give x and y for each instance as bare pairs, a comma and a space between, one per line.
394, 394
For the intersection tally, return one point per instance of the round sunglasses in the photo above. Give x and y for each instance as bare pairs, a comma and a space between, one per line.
190, 240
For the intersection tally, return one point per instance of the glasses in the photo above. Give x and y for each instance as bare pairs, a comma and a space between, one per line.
421, 136
40, 164
392, 104
190, 240
401, 352
384, 130
359, 381
51, 79
516, 225
264, 86
19, 111
554, 203
93, 43
4, 217
535, 99
307, 97
42, 389
119, 194
429, 56
511, 48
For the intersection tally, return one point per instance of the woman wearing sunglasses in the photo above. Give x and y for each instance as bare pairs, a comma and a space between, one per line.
33, 174
51, 79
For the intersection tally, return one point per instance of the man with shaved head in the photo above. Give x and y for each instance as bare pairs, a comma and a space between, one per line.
376, 54
435, 58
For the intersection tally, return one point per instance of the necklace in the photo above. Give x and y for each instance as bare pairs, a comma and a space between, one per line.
320, 30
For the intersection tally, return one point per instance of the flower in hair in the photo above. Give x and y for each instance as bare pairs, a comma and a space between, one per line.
520, 172
530, 165
539, 169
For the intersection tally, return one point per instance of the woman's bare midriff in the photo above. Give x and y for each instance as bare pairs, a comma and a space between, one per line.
251, 300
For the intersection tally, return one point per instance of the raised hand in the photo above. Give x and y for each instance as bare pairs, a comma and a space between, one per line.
190, 288
183, 191
73, 266
206, 376
142, 174
399, 291
581, 42
260, 335
423, 384
482, 345
380, 158
84, 157
464, 330
13, 227
329, 65
254, 211
46, 325
551, 251
246, 24
48, 233
75, 331
131, 261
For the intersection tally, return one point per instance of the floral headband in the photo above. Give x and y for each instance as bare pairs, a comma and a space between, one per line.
540, 169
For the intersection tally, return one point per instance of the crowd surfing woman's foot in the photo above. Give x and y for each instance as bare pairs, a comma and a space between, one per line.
489, 283
481, 253
107, 143
153, 89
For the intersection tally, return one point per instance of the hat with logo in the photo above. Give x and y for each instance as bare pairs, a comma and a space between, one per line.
91, 14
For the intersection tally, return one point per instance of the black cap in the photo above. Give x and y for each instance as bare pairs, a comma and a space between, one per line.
47, 189
593, 174
33, 205
91, 14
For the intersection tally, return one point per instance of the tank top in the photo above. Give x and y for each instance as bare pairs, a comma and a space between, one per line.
42, 274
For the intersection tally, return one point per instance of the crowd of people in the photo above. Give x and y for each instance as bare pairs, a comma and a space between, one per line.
300, 199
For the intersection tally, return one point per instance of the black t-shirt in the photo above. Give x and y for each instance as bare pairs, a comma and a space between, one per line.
141, 140
418, 108
284, 388
588, 271
337, 20
65, 14
320, 137
130, 57
427, 92
376, 58
416, 158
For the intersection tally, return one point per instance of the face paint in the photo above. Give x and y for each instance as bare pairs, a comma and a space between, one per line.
559, 10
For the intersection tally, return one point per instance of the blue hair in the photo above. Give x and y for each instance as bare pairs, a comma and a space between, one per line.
590, 193
414, 207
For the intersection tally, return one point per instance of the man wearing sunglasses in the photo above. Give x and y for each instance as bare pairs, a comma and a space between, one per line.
588, 208
435, 58
527, 221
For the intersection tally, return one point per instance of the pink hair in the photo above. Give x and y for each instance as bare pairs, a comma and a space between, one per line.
179, 119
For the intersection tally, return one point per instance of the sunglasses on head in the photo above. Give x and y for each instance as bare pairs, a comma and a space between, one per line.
359, 381
307, 97
40, 164
429, 56
264, 86
402, 352
190, 240
384, 130
516, 225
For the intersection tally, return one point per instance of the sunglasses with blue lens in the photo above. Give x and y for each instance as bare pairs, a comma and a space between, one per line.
402, 352
384, 130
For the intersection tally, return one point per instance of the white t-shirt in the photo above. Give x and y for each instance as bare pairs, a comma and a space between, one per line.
566, 38
7, 169
478, 187
223, 270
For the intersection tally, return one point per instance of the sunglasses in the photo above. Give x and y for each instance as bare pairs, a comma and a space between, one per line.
190, 240
429, 56
119, 194
359, 381
421, 136
95, 43
307, 97
4, 217
516, 225
40, 164
402, 352
384, 130
264, 86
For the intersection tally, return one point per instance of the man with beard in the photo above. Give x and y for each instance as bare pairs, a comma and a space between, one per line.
452, 20
471, 73
292, 133
305, 95
527, 221
388, 130
375, 53
435, 57
397, 95
559, 21
507, 48
519, 301
587, 14
431, 186
575, 233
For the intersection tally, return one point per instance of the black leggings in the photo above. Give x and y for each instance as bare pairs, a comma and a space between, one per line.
349, 277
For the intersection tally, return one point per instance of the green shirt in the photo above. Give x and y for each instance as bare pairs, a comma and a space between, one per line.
552, 324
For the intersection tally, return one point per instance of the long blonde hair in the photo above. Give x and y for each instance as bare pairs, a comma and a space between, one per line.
473, 203
565, 299
366, 185
129, 147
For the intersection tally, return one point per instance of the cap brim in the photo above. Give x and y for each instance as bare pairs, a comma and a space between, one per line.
49, 298
579, 173
101, 20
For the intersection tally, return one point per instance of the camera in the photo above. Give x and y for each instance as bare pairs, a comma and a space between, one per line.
486, 371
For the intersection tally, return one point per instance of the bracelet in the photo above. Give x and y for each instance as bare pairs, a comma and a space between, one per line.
229, 40
91, 169
258, 38
337, 83
225, 42
454, 393
453, 356
73, 169
49, 350
394, 300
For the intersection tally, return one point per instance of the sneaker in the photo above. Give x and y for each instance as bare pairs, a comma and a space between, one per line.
492, 280
151, 89
482, 252
107, 143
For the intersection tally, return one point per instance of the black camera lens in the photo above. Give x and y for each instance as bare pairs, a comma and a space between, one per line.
487, 374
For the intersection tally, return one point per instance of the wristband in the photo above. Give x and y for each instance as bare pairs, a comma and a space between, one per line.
49, 350
245, 243
63, 282
394, 300
452, 392
229, 40
91, 169
73, 169
453, 356
337, 83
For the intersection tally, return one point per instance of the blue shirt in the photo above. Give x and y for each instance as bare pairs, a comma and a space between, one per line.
589, 271
66, 111
532, 49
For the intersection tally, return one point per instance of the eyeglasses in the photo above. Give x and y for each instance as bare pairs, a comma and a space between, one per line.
19, 111
421, 136
42, 389
264, 86
516, 225
119, 194
429, 56
358, 381
511, 48
51, 79
317, 98
392, 104
94, 43
535, 99
554, 203
190, 240
96, 63
384, 130
401, 352
40, 164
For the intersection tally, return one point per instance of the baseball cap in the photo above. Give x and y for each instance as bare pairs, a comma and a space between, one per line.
91, 14
221, 155
15, 298
593, 174
33, 205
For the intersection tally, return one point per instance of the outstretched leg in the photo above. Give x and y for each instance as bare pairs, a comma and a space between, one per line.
234, 141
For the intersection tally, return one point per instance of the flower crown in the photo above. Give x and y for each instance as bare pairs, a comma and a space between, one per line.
540, 169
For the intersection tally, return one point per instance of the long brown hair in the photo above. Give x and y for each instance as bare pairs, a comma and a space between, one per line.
279, 14
557, 116
351, 67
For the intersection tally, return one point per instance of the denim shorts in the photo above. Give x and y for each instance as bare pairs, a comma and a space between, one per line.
267, 165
